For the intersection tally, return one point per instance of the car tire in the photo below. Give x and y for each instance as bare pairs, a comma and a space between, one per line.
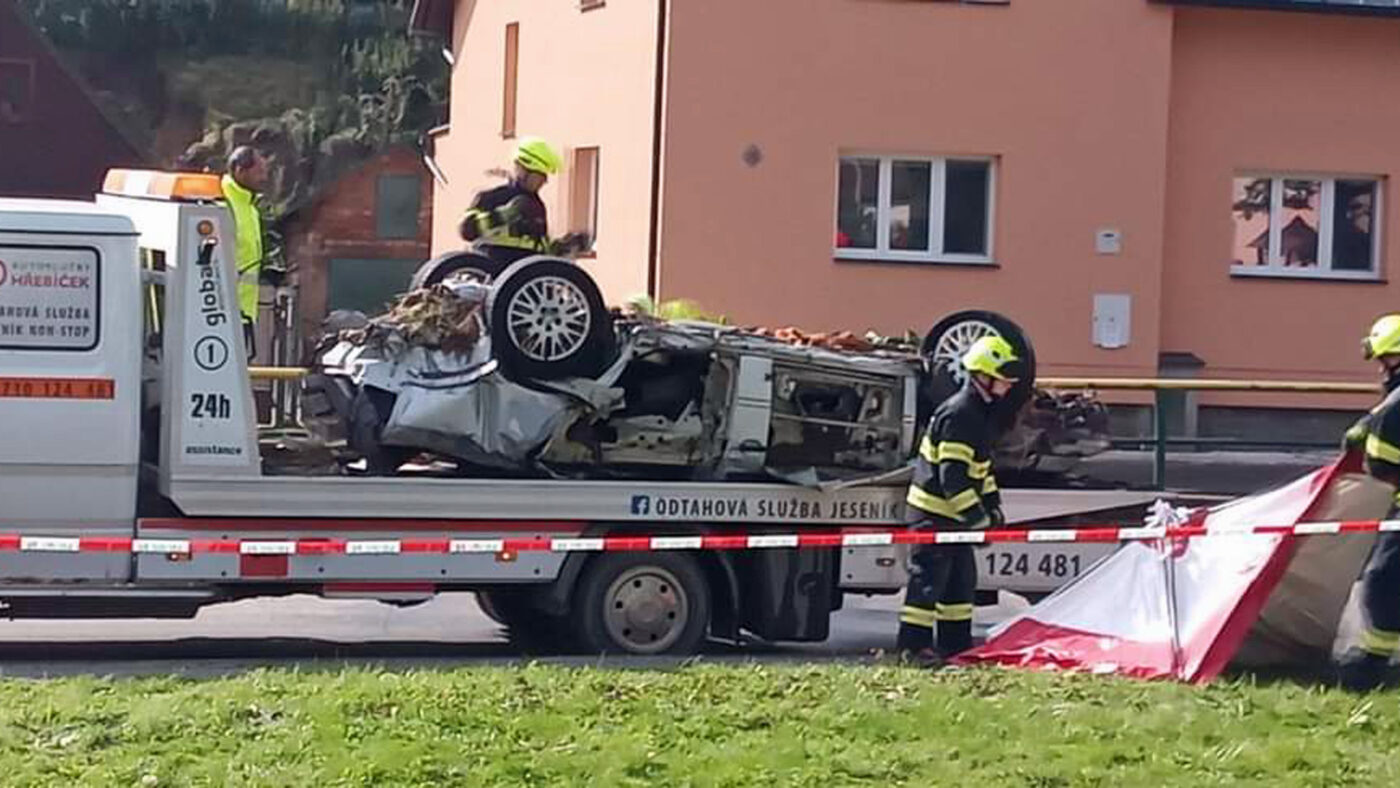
944, 344
438, 269
643, 604
548, 321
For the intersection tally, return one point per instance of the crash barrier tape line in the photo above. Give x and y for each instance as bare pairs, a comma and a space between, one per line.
763, 541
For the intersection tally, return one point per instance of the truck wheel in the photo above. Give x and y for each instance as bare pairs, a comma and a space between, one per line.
643, 603
528, 627
548, 321
445, 265
942, 350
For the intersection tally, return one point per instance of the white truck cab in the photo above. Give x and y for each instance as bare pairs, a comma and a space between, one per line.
70, 376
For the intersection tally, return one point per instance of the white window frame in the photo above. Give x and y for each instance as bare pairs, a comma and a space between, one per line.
938, 181
1326, 227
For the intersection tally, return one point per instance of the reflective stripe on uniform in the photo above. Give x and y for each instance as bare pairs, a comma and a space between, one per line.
928, 450
917, 616
934, 453
1381, 450
515, 242
1380, 641
962, 612
990, 485
943, 507
980, 470
952, 450
965, 500
927, 502
499, 234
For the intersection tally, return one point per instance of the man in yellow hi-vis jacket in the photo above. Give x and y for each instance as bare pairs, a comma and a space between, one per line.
247, 176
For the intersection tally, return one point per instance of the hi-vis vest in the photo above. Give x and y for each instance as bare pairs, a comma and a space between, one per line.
247, 224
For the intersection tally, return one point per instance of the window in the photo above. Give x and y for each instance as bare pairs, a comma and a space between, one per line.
367, 285
16, 90
583, 192
154, 308
397, 199
50, 297
512, 72
915, 209
1306, 226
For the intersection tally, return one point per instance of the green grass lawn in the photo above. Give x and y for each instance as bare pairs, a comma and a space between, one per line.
762, 726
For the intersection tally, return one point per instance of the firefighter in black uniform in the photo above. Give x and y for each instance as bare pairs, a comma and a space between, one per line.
509, 222
954, 489
1378, 434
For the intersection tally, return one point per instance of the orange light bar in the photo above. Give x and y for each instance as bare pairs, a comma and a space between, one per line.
156, 185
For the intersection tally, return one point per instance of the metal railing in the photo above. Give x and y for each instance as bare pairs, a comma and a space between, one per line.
1162, 386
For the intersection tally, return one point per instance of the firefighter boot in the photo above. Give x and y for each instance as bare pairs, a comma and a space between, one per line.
1362, 671
954, 637
915, 646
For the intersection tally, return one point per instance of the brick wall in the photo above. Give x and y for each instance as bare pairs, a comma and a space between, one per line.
341, 223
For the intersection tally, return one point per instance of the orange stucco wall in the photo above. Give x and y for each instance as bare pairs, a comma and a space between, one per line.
1073, 106
1274, 92
586, 80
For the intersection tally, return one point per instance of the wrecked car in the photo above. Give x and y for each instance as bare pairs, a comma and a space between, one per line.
530, 374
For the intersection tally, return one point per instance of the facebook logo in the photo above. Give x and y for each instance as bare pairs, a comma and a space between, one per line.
641, 504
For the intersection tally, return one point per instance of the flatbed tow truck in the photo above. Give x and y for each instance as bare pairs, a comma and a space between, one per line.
132, 482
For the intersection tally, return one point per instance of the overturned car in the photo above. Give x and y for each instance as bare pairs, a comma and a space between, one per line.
530, 374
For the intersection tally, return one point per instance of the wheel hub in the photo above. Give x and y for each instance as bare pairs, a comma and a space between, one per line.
955, 342
549, 318
646, 610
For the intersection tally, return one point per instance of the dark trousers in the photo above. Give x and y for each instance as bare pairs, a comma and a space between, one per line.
942, 586
250, 337
1380, 595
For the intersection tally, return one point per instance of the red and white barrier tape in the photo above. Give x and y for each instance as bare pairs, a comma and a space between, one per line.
1098, 534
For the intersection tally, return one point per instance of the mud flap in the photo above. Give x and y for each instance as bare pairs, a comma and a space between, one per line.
788, 594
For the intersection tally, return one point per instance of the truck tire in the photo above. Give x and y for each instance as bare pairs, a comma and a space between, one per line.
643, 604
529, 628
548, 321
445, 265
942, 350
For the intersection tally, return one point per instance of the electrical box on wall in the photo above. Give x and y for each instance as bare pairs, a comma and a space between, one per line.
1113, 313
1108, 241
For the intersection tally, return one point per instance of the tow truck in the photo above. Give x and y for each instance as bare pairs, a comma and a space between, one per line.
133, 481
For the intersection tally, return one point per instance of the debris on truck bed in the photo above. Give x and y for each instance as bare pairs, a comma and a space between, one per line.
445, 317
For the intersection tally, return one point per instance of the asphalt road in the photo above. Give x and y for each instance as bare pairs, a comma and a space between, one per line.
313, 633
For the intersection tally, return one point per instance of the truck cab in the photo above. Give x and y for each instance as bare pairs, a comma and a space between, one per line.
70, 380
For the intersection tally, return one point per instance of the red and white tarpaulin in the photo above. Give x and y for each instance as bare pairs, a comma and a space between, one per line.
1187, 608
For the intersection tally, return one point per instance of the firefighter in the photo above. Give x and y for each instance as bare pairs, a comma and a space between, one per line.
1377, 434
509, 221
247, 176
954, 489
